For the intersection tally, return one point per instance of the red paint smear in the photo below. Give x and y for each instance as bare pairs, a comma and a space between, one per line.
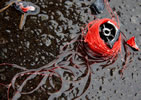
96, 44
132, 43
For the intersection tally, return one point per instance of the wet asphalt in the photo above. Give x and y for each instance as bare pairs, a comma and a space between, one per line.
58, 22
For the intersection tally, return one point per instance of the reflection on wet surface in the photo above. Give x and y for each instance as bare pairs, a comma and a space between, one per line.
41, 39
